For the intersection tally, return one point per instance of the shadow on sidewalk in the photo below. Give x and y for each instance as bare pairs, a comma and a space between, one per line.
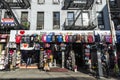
62, 78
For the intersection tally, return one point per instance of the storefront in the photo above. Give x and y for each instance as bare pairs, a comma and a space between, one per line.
64, 49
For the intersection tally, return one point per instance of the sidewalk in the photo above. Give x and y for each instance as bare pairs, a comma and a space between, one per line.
35, 74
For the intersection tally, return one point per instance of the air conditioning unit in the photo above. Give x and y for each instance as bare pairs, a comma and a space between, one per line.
41, 1
56, 1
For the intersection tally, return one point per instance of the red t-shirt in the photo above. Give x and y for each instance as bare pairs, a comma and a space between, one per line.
18, 38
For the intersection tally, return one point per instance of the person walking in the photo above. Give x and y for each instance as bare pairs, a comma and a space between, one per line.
29, 59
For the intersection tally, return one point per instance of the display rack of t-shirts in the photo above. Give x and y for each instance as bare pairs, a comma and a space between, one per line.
87, 54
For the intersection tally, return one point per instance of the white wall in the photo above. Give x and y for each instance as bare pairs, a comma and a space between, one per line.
48, 8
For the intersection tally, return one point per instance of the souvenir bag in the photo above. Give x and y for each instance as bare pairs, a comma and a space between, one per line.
70, 38
48, 38
44, 38
108, 38
83, 38
97, 38
18, 39
90, 38
60, 38
74, 38
66, 38
78, 39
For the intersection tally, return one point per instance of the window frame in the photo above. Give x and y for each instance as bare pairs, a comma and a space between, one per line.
56, 20
40, 21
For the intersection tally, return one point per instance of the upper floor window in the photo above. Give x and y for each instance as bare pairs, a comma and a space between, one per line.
113, 3
99, 1
41, 1
100, 20
40, 20
56, 1
56, 20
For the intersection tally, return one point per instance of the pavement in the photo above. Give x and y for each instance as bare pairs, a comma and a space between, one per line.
35, 74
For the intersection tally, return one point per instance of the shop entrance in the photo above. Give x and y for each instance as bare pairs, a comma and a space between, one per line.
29, 58
78, 49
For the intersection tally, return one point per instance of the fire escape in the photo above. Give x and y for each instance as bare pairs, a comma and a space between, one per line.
80, 22
9, 6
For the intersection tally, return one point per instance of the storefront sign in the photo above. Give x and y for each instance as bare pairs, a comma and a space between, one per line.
7, 20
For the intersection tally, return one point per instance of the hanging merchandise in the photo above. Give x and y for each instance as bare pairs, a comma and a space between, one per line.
18, 39
90, 38
27, 38
70, 38
48, 38
108, 38
78, 38
53, 38
47, 45
36, 46
97, 37
66, 37
44, 38
74, 38
31, 38
60, 38
83, 38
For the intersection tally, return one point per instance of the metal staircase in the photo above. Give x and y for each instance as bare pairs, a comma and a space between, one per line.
81, 6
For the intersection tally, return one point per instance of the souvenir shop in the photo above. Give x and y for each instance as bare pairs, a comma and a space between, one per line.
65, 49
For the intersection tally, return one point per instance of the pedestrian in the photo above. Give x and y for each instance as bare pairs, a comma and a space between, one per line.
29, 59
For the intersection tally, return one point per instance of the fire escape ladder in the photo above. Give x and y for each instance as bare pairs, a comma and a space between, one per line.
27, 3
21, 4
79, 15
10, 10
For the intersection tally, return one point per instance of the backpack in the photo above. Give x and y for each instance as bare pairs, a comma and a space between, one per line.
90, 38
70, 38
44, 38
60, 38
48, 38
66, 38
97, 38
108, 38
74, 38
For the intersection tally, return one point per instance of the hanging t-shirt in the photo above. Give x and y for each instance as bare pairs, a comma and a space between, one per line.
18, 39
70, 38
74, 38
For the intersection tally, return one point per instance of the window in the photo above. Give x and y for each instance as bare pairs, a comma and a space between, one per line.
56, 20
24, 19
99, 1
41, 1
56, 1
70, 18
40, 20
100, 20
113, 3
